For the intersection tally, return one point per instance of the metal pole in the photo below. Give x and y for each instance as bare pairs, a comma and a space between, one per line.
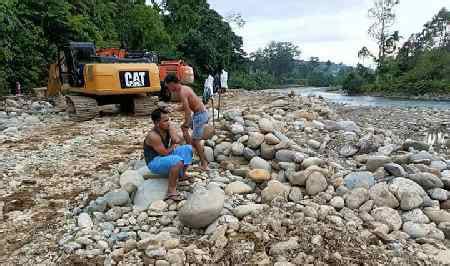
212, 103
218, 109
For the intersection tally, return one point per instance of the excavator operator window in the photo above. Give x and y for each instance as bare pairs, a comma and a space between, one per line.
78, 54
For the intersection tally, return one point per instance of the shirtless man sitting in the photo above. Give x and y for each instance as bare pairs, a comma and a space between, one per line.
195, 115
163, 155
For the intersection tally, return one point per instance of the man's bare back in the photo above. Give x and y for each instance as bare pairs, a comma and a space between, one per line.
193, 101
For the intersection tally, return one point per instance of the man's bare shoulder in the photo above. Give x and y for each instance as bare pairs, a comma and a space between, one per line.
152, 138
187, 90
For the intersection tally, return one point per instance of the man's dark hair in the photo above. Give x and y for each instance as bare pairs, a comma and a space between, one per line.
156, 114
171, 78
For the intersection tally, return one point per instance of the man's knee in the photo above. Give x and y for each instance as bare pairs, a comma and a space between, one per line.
185, 147
177, 166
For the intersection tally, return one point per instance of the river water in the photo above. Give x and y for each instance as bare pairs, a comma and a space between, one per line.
368, 101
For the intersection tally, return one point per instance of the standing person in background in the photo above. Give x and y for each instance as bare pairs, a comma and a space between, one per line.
217, 85
18, 89
195, 115
224, 80
208, 90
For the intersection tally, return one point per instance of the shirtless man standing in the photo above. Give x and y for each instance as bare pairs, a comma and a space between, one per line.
195, 115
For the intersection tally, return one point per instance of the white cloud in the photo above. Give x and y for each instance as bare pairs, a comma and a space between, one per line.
330, 29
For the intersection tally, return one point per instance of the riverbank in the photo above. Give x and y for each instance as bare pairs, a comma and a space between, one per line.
337, 90
336, 96
426, 97
66, 195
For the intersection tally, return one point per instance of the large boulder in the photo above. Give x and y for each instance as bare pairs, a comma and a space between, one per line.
275, 189
295, 194
233, 115
382, 197
267, 151
388, 216
237, 149
130, 177
146, 173
427, 180
337, 202
395, 169
255, 140
316, 183
417, 230
85, 221
150, 191
408, 192
375, 162
271, 139
259, 175
237, 129
209, 153
348, 150
359, 179
421, 157
416, 216
439, 165
238, 187
438, 194
312, 161
249, 153
31, 121
223, 148
244, 210
299, 178
284, 247
117, 198
265, 125
356, 197
417, 145
259, 163
202, 207
310, 116
285, 156
437, 216
348, 126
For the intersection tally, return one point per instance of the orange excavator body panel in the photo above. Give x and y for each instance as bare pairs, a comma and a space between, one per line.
184, 72
116, 52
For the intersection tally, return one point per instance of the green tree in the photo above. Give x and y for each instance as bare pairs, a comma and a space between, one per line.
22, 47
143, 28
278, 58
383, 17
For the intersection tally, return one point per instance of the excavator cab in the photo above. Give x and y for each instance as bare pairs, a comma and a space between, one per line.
76, 55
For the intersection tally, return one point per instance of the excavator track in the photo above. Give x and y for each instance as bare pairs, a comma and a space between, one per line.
144, 105
81, 108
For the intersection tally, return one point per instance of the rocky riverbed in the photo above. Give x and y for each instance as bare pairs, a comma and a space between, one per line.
293, 180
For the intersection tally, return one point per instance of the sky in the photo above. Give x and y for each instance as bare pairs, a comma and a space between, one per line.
332, 30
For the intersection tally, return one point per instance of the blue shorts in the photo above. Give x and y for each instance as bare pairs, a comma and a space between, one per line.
161, 165
199, 120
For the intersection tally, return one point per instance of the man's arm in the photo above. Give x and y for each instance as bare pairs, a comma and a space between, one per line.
187, 113
179, 108
174, 136
156, 143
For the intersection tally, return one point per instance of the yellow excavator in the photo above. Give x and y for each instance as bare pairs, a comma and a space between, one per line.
89, 81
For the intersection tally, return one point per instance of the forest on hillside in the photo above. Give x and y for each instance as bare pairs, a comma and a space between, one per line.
32, 31
417, 65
